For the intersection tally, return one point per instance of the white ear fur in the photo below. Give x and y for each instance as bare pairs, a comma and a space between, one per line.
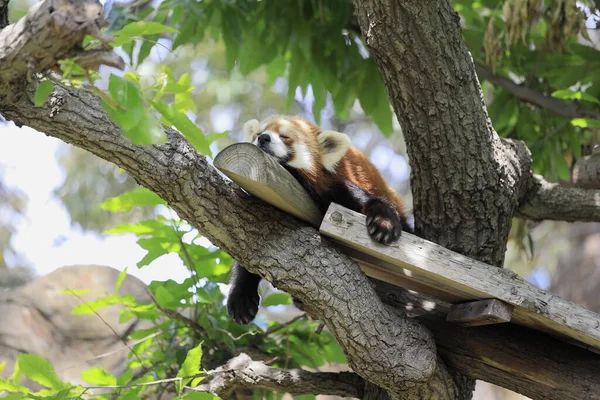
334, 146
250, 128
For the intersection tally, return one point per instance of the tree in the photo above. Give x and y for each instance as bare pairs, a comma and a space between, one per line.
468, 182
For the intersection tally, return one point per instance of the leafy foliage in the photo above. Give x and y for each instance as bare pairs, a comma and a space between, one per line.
314, 47
526, 45
190, 333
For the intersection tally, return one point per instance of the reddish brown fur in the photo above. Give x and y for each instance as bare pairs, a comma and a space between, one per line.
354, 166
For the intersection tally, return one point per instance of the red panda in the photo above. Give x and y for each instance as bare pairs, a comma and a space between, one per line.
330, 170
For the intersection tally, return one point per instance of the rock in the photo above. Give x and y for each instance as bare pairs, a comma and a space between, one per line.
36, 318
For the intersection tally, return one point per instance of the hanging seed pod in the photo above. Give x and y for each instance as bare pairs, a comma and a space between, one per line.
519, 16
492, 45
566, 20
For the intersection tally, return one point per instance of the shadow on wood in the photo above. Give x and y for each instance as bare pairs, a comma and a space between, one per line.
412, 262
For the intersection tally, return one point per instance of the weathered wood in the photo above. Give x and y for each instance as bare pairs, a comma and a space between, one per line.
261, 175
480, 312
49, 32
469, 279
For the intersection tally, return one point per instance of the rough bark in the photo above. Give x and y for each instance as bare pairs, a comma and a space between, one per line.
393, 352
557, 202
52, 30
586, 172
535, 365
242, 371
466, 181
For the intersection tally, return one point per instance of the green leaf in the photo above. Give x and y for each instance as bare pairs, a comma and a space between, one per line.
39, 370
121, 278
277, 299
571, 95
191, 366
90, 307
127, 94
563, 94
125, 377
138, 197
63, 394
43, 91
200, 396
131, 115
7, 386
165, 298
585, 123
562, 168
587, 97
138, 29
156, 247
98, 376
181, 121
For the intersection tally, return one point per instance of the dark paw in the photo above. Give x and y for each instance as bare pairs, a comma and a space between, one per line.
383, 222
242, 306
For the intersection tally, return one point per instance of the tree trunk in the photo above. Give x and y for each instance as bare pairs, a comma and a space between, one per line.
467, 185
465, 180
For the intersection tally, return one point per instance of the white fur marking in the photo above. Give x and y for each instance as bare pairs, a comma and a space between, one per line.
250, 128
263, 127
283, 130
278, 148
334, 146
302, 158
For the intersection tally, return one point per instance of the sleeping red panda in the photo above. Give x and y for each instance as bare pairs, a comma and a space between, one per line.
330, 170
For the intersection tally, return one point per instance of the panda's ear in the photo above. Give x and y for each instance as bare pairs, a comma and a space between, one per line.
250, 128
333, 146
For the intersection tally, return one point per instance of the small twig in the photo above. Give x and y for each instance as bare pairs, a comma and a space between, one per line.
108, 325
152, 383
99, 356
276, 328
192, 268
177, 316
100, 93
320, 327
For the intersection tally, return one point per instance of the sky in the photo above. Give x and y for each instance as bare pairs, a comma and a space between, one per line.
45, 236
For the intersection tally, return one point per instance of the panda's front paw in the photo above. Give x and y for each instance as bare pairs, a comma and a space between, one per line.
383, 222
242, 305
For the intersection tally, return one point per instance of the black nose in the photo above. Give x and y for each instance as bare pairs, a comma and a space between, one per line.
264, 138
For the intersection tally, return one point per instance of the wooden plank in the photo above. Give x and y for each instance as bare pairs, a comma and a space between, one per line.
261, 175
480, 312
457, 274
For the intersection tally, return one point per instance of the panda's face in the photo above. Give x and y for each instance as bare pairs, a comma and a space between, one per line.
297, 143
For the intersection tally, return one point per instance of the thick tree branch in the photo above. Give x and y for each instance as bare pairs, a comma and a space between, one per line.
465, 179
562, 203
52, 30
242, 371
523, 360
386, 349
393, 352
557, 106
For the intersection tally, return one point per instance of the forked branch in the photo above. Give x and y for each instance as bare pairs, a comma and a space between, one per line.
557, 106
560, 203
242, 371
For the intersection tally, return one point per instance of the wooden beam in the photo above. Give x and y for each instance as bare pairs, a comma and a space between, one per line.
480, 312
509, 355
445, 271
261, 175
